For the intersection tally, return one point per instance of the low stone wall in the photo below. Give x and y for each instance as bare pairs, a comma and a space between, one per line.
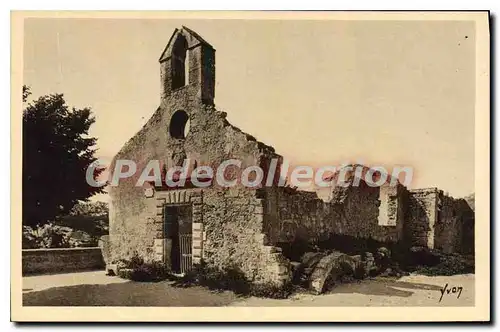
59, 260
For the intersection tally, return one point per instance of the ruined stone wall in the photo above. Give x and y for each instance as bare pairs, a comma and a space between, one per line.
372, 212
421, 216
448, 227
454, 230
468, 228
293, 215
438, 221
353, 211
387, 214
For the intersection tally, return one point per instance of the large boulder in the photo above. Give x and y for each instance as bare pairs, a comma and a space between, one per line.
330, 268
304, 268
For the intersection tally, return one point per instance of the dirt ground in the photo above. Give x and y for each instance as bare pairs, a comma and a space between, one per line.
413, 290
97, 289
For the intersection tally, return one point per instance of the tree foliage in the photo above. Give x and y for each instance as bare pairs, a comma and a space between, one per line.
46, 236
94, 209
57, 151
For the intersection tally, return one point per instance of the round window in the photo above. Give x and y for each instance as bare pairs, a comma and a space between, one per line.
179, 125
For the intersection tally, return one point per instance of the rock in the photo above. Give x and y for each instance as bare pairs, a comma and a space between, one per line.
306, 266
383, 253
369, 264
360, 267
330, 267
112, 269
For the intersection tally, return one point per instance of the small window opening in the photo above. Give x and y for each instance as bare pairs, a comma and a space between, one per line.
179, 68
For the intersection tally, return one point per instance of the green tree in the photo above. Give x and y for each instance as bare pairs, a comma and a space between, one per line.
56, 153
90, 209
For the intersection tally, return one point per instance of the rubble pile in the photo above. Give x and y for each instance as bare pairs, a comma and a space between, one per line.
320, 271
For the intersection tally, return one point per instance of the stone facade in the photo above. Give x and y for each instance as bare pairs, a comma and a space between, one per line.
438, 221
227, 222
239, 227
421, 216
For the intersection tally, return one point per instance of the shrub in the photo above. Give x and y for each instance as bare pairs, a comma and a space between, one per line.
215, 279
271, 291
135, 262
125, 273
136, 269
448, 265
46, 236
147, 272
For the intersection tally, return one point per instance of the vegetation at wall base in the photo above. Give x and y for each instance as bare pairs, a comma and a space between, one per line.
232, 279
448, 265
229, 279
136, 269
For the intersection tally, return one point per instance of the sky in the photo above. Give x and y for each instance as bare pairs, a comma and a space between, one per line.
320, 92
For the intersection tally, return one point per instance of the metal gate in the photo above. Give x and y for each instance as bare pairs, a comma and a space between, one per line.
178, 230
186, 253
